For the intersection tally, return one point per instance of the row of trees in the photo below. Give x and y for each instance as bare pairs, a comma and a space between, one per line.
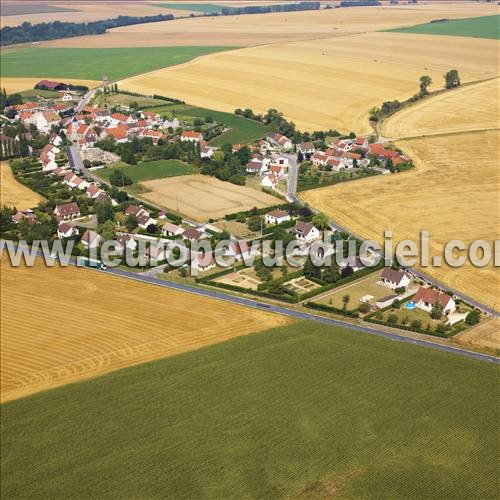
451, 78
264, 9
27, 32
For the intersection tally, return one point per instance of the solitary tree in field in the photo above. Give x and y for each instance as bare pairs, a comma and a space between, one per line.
345, 300
452, 79
425, 81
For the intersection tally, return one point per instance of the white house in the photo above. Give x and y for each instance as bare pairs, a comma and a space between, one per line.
306, 232
169, 229
279, 140
306, 148
48, 157
91, 239
394, 279
44, 120
202, 262
277, 217
425, 298
386, 301
191, 136
126, 242
270, 181
65, 230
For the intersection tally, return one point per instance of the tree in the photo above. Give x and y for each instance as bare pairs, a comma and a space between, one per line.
254, 223
437, 310
346, 299
473, 317
321, 221
392, 318
264, 274
425, 81
131, 223
396, 304
452, 79
118, 178
107, 230
104, 212
416, 324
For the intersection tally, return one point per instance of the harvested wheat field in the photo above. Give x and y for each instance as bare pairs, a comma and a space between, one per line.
322, 84
62, 325
14, 84
202, 197
473, 107
15, 194
80, 12
258, 29
486, 334
453, 192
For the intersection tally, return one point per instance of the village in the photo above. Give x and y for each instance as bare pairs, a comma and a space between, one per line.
67, 144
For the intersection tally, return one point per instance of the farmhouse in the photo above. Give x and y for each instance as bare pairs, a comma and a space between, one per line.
306, 232
67, 211
394, 279
91, 239
277, 217
425, 298
190, 136
50, 85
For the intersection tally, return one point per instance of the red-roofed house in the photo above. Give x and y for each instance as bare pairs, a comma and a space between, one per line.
191, 136
120, 133
48, 157
67, 211
425, 298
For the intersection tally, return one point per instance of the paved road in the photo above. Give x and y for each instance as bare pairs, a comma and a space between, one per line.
301, 315
84, 100
215, 294
293, 172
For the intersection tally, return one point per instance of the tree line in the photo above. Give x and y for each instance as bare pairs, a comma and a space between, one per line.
27, 32
265, 9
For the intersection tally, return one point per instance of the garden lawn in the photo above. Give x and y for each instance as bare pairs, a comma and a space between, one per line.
92, 64
477, 27
298, 411
149, 170
207, 8
241, 130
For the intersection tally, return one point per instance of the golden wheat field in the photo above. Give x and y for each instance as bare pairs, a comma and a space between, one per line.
15, 84
322, 84
202, 197
248, 30
486, 334
473, 107
453, 192
15, 194
62, 325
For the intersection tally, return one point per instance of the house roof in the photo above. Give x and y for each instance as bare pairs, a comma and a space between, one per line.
133, 210
392, 275
64, 227
118, 133
303, 227
431, 296
51, 116
192, 134
306, 146
90, 236
172, 228
68, 208
278, 214
380, 150
50, 84
192, 234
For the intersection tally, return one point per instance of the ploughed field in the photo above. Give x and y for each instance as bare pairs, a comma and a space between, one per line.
15, 194
453, 192
202, 197
62, 325
302, 411
322, 84
468, 108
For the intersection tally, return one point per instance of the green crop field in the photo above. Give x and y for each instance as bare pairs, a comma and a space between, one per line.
208, 8
92, 64
305, 410
479, 27
149, 170
242, 130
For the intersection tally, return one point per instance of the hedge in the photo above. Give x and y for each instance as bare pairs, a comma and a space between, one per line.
259, 211
336, 310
